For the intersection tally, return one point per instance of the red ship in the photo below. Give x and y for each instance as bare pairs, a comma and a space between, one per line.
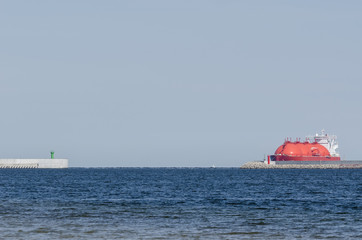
322, 147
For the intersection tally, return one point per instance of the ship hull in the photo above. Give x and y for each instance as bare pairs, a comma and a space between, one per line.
303, 158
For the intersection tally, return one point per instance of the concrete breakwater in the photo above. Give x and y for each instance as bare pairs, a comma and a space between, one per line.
33, 163
305, 165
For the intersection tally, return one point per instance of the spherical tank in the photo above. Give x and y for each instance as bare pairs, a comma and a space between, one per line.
301, 148
292, 149
279, 149
318, 149
306, 149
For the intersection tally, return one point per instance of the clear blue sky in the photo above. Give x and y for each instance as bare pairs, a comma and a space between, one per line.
177, 83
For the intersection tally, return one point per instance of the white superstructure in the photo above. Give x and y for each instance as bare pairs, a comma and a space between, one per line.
327, 141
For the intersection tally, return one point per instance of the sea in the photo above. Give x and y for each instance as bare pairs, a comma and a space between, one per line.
180, 203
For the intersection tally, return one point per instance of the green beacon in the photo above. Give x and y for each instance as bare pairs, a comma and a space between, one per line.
52, 155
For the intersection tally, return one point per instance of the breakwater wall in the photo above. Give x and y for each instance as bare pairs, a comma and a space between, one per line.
303, 165
33, 163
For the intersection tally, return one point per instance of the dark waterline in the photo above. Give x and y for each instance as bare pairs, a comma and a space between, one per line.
174, 203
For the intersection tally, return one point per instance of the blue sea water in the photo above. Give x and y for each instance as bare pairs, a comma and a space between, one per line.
180, 203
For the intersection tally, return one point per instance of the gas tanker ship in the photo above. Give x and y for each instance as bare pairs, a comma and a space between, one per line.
320, 147
318, 151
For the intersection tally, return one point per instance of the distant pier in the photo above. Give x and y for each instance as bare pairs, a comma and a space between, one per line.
34, 163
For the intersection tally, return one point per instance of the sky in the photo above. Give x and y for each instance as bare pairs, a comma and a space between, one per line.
177, 83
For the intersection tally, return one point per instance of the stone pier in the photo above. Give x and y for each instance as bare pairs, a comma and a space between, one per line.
302, 165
